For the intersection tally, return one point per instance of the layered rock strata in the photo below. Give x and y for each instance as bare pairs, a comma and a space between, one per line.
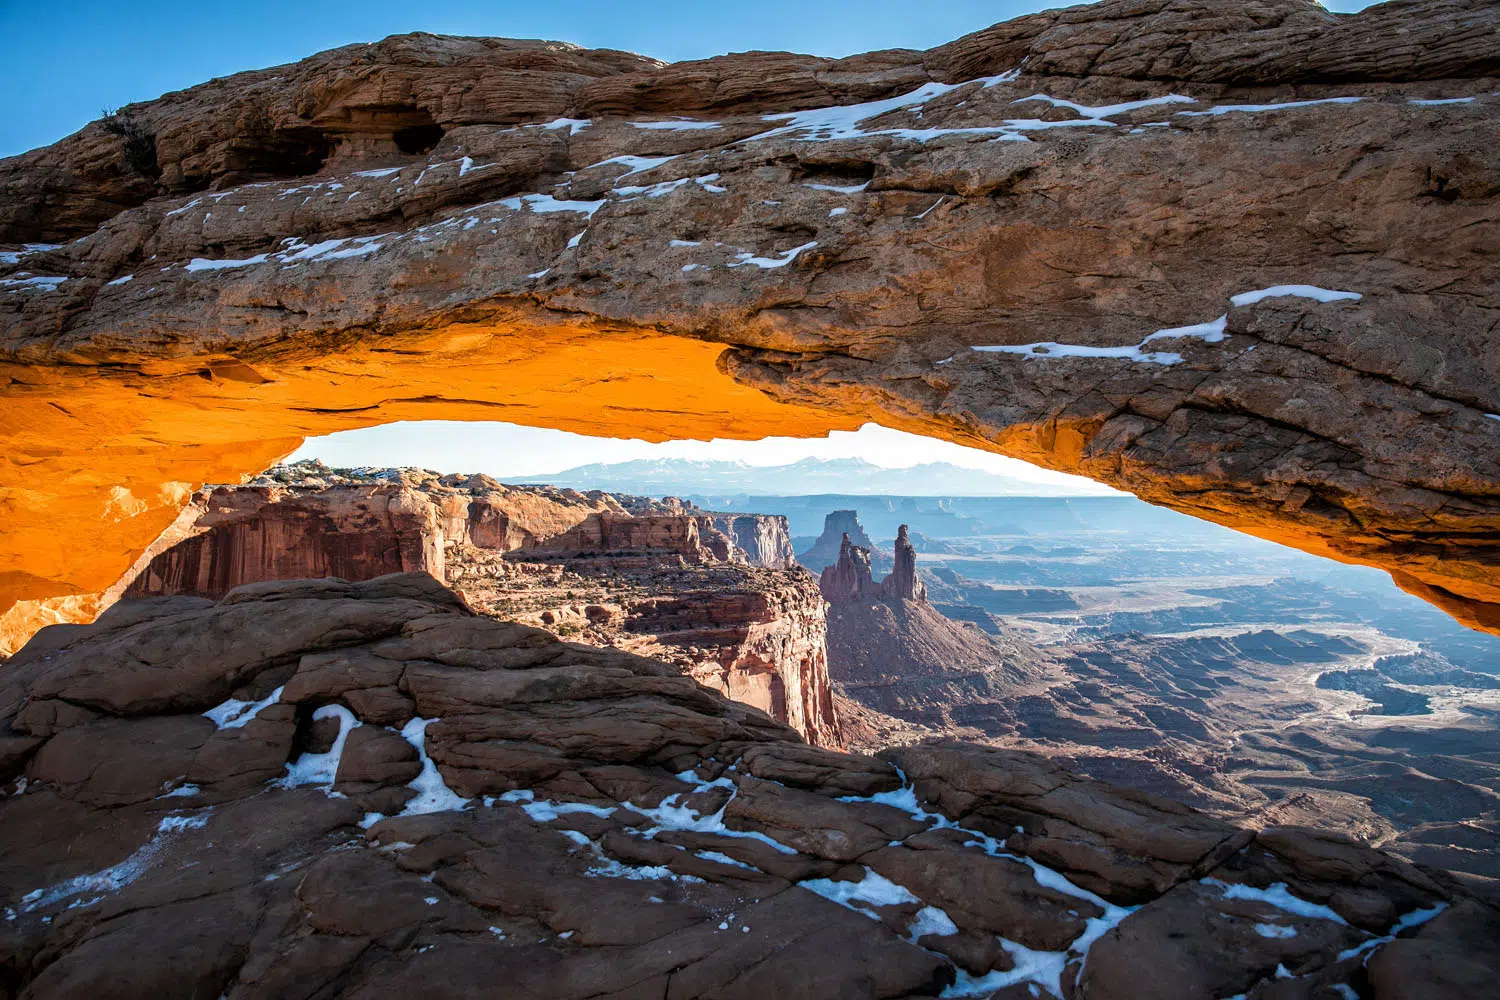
1233, 257
850, 579
655, 577
363, 790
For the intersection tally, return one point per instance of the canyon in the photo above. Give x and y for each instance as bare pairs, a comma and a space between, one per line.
720, 596
1234, 258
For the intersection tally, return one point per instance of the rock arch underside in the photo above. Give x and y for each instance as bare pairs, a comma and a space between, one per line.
1237, 258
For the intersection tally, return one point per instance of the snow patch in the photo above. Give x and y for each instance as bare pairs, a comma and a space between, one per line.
199, 264
1297, 291
652, 190
871, 891
839, 189
723, 859
547, 203
1100, 112
1415, 918
679, 125
1279, 896
115, 877
843, 121
14, 256
930, 920
32, 283
1275, 931
637, 164
321, 768
766, 263
1211, 332
573, 125
1044, 968
1224, 109
121, 281
433, 794
235, 714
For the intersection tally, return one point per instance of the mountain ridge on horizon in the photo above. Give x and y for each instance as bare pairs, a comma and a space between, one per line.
811, 475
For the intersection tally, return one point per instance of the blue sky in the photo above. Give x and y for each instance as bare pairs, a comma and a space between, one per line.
70, 58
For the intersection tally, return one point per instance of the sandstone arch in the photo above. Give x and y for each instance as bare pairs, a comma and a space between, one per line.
604, 244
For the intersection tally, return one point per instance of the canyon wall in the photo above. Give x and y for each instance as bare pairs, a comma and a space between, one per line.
1235, 258
664, 581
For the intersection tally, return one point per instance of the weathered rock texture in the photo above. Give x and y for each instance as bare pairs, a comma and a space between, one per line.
647, 576
362, 790
476, 229
850, 578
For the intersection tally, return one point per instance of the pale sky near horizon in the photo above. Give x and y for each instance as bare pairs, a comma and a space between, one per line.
509, 451
77, 57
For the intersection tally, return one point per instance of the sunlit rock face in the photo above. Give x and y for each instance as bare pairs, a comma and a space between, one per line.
1236, 258
631, 573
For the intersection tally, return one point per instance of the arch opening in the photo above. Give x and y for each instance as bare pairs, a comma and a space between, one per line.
1144, 646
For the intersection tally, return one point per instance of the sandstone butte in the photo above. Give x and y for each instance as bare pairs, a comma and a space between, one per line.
1238, 257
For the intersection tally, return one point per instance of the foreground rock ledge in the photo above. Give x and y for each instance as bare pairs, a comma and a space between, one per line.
1237, 258
326, 789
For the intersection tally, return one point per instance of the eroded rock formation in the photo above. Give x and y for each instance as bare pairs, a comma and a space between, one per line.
840, 526
1236, 258
657, 578
850, 578
365, 791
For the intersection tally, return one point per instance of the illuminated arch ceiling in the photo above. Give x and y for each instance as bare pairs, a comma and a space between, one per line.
1176, 247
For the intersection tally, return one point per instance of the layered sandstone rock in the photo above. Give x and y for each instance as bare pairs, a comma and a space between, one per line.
363, 790
1235, 258
653, 577
850, 578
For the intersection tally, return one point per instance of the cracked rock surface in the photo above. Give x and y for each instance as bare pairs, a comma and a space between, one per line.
200, 801
1236, 258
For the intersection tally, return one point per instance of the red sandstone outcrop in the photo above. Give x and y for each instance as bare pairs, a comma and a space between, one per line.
850, 578
362, 791
1236, 258
652, 577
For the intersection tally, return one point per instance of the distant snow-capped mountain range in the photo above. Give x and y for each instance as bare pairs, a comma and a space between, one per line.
675, 476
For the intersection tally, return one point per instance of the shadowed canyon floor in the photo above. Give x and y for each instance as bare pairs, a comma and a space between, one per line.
363, 790
1236, 258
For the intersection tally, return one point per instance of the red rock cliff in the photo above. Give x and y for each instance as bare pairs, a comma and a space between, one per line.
665, 580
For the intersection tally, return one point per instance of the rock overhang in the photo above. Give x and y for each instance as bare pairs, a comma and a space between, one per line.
1052, 263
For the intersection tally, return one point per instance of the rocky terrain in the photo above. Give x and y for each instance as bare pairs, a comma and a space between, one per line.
1234, 257
1269, 701
718, 595
326, 789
